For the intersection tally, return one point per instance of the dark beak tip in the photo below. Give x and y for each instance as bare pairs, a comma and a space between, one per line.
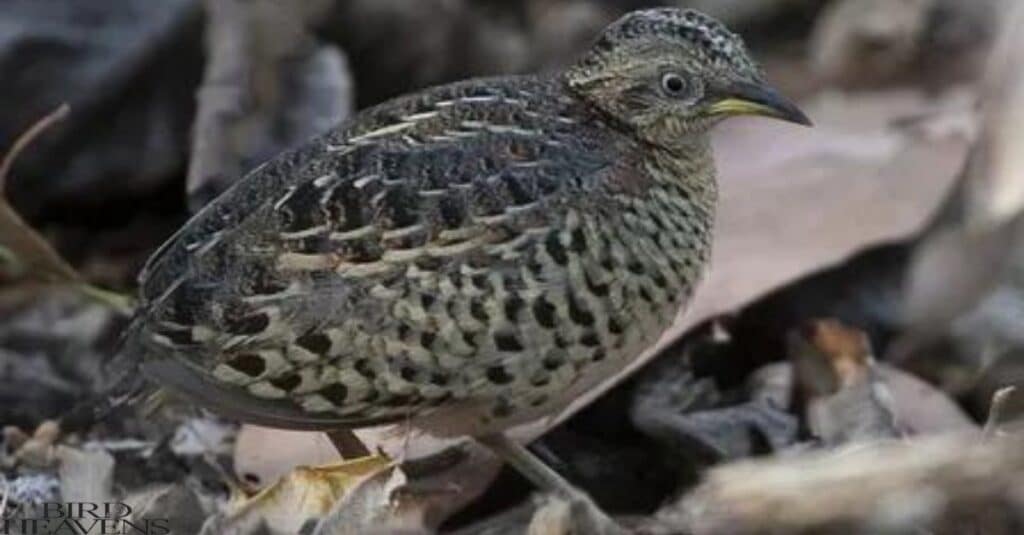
787, 111
765, 95
802, 119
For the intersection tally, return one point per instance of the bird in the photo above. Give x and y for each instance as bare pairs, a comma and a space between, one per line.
464, 258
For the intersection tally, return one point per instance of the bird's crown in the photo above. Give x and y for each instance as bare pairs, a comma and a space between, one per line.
699, 33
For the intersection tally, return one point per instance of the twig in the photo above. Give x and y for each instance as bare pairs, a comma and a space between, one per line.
348, 444
25, 139
996, 411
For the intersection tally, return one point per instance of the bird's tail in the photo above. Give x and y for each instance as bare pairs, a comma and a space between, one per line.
124, 384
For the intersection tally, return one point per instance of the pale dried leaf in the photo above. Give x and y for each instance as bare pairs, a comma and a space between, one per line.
554, 517
372, 507
304, 495
922, 408
845, 398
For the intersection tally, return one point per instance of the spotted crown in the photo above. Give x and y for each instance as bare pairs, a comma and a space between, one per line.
704, 34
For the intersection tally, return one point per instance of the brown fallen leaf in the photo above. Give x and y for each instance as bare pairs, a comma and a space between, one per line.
38, 451
845, 399
303, 496
923, 409
381, 503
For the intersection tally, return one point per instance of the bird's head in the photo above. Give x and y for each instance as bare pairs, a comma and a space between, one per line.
670, 74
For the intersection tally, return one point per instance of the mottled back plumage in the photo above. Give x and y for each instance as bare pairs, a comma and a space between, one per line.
496, 245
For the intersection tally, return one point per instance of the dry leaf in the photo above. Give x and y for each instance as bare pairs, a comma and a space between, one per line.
38, 451
554, 517
304, 495
381, 503
922, 408
846, 399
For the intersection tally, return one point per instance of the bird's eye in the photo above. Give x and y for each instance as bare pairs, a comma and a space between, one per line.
674, 85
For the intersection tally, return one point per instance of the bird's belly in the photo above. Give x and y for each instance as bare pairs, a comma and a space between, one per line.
620, 296
524, 402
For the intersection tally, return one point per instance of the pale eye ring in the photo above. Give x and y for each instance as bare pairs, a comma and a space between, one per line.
674, 85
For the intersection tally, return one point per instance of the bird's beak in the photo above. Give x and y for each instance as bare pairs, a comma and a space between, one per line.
742, 98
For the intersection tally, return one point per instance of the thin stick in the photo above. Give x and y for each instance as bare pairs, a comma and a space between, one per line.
528, 465
348, 444
30, 135
996, 411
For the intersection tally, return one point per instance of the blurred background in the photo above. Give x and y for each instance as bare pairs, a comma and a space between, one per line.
881, 248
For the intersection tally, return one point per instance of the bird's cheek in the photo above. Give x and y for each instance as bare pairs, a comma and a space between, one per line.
666, 129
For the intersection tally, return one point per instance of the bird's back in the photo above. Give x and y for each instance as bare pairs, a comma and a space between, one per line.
474, 244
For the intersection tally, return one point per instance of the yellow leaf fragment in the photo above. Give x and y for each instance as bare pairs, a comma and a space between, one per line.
307, 493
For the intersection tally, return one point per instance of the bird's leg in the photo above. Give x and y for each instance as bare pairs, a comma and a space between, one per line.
548, 480
527, 464
406, 437
348, 444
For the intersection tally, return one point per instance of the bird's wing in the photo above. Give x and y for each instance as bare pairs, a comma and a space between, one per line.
352, 280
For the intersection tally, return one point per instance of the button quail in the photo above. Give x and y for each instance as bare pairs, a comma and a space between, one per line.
464, 258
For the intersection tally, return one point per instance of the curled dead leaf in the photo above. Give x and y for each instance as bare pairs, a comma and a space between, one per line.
379, 504
303, 496
846, 399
